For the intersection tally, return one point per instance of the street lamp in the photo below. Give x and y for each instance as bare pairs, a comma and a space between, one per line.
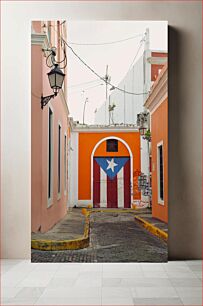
83, 121
56, 78
142, 130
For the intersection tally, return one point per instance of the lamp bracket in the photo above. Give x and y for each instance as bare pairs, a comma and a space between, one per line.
45, 100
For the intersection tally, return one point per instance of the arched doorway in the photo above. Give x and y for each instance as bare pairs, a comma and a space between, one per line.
111, 173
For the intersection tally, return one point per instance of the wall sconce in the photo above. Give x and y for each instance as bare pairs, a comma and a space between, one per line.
56, 78
142, 130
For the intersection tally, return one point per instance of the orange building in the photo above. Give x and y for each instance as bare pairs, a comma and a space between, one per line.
157, 103
103, 163
49, 131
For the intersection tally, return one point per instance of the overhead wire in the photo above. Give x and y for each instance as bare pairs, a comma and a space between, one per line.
102, 78
85, 89
105, 43
102, 43
83, 83
138, 50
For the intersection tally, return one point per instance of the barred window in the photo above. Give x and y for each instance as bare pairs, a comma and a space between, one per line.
112, 145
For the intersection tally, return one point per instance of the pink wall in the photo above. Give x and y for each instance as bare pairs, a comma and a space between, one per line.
44, 217
36, 137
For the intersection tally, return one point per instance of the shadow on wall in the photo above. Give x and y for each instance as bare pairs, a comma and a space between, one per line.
184, 209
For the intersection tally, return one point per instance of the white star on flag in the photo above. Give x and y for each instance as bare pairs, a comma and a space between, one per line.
111, 164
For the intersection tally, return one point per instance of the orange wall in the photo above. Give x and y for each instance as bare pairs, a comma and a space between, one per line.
159, 131
154, 67
87, 142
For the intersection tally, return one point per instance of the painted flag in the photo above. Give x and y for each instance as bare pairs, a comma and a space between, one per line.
111, 182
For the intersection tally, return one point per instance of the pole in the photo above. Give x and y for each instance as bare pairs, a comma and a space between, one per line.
107, 78
147, 84
109, 110
83, 121
124, 106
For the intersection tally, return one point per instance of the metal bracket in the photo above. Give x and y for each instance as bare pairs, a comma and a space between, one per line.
45, 100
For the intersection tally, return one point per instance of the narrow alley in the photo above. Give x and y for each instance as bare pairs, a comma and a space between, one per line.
114, 237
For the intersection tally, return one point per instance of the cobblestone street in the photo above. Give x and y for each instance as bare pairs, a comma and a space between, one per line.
113, 238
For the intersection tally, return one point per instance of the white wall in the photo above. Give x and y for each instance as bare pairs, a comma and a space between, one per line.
73, 170
128, 106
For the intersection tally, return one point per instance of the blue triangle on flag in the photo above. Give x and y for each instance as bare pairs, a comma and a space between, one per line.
111, 165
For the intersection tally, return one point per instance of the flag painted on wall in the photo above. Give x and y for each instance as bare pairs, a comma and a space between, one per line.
111, 182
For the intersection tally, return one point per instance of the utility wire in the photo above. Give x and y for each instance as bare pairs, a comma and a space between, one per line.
94, 72
104, 43
85, 89
138, 50
102, 78
79, 84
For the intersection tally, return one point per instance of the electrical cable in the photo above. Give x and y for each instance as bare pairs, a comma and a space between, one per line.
98, 44
50, 55
86, 89
79, 84
102, 78
105, 43
141, 42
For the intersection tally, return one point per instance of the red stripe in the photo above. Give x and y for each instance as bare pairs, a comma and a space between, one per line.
127, 196
96, 184
112, 197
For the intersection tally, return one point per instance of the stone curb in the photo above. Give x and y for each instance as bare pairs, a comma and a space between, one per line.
152, 229
83, 242
59, 245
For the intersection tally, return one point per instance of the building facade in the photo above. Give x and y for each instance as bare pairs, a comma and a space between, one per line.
104, 163
49, 128
157, 104
126, 107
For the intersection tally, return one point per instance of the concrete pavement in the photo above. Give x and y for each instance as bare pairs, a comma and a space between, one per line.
114, 237
72, 232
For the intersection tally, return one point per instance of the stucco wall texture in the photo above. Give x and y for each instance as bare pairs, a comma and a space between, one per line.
87, 142
43, 215
185, 114
159, 130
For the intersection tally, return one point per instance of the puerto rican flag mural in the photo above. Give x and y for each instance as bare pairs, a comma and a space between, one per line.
111, 182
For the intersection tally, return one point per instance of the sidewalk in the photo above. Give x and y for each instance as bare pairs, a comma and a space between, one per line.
155, 222
153, 225
71, 227
71, 233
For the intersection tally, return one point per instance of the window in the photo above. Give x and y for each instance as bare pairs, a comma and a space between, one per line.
59, 159
65, 162
50, 153
160, 173
112, 145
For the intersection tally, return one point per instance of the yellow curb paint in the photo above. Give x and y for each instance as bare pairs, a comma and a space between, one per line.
83, 242
59, 245
153, 229
117, 210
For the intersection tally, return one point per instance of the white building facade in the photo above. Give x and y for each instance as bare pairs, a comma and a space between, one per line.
126, 106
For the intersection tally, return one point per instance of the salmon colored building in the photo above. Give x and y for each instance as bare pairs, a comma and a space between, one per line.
157, 104
49, 126
103, 166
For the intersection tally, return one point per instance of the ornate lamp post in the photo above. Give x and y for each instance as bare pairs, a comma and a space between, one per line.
56, 78
142, 130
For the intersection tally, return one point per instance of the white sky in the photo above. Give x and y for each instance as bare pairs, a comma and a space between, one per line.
118, 56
